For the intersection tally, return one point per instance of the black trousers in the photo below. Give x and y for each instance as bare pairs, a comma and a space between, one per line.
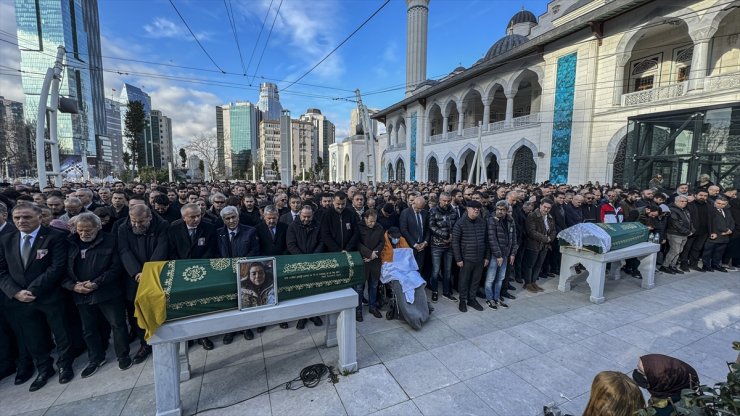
532, 265
35, 320
519, 261
732, 253
693, 250
13, 351
470, 274
114, 313
420, 256
132, 322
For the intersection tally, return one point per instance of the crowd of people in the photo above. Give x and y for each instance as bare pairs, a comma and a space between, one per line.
72, 257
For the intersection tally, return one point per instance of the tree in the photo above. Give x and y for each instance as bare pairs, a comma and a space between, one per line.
318, 167
183, 158
127, 160
275, 167
17, 146
205, 147
362, 169
135, 122
202, 168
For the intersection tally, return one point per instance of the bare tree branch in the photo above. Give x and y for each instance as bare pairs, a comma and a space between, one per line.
205, 147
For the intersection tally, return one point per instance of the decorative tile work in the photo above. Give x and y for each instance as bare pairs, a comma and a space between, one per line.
563, 118
412, 148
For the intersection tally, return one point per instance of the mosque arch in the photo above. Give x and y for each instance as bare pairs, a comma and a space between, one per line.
523, 166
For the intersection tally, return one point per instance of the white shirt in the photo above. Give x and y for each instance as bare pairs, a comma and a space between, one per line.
2, 227
33, 235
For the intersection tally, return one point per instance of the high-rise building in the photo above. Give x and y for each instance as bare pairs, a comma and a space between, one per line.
115, 133
355, 122
304, 146
236, 137
17, 150
269, 149
286, 148
325, 133
269, 103
42, 26
162, 137
130, 93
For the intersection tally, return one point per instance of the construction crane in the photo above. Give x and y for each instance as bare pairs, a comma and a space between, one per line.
369, 137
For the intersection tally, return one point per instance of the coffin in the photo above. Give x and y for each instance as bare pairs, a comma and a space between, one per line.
601, 238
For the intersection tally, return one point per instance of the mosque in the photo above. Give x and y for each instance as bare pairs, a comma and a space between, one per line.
591, 90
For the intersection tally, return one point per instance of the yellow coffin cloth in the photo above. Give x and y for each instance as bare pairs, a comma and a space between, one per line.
150, 304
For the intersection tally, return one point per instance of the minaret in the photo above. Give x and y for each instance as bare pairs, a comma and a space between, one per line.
416, 43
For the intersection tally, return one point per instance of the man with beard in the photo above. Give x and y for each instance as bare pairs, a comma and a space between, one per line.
56, 205
388, 217
164, 208
303, 238
142, 237
692, 251
441, 220
271, 235
249, 214
118, 205
93, 272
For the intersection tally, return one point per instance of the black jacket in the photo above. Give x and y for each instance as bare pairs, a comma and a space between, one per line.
573, 215
270, 246
679, 222
388, 222
8, 229
410, 228
371, 239
43, 273
135, 250
304, 239
590, 212
538, 237
441, 222
719, 224
245, 242
202, 246
339, 231
469, 242
100, 264
735, 210
558, 214
502, 236
699, 212
250, 218
288, 219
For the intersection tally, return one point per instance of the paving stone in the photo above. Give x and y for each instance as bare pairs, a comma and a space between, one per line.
567, 328
107, 404
239, 351
395, 343
457, 399
420, 373
507, 393
504, 348
465, 360
649, 341
279, 341
435, 333
141, 400
369, 390
232, 384
614, 349
407, 408
471, 324
320, 400
259, 406
284, 368
551, 378
365, 355
108, 379
537, 337
584, 362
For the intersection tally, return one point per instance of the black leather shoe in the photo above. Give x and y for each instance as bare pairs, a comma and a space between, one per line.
666, 270
125, 363
475, 305
284, 325
141, 355
511, 288
23, 375
261, 329
301, 324
376, 313
228, 338
316, 320
248, 335
41, 379
677, 270
358, 316
508, 296
66, 375
720, 269
462, 306
519, 280
450, 297
206, 343
92, 368
7, 372
435, 297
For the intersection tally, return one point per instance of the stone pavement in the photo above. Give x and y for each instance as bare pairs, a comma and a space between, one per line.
545, 348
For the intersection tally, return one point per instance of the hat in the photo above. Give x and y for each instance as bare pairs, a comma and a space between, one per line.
394, 232
474, 204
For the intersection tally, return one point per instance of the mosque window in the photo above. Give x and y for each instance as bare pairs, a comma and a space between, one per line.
644, 72
682, 59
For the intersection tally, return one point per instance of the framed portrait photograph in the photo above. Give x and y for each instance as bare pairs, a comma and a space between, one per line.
256, 281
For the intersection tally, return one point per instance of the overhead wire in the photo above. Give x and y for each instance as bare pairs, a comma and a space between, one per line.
339, 45
232, 22
195, 37
269, 34
256, 42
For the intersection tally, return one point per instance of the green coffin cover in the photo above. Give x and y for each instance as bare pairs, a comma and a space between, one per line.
622, 236
195, 287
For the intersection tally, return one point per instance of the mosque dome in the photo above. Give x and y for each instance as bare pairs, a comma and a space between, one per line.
457, 70
523, 16
505, 44
313, 111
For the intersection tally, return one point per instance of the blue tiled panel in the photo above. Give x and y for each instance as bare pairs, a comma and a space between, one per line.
412, 140
563, 118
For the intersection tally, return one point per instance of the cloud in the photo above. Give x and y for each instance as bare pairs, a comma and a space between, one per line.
10, 85
162, 27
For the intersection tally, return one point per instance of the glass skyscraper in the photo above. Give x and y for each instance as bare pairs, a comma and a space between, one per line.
43, 25
150, 153
269, 103
236, 134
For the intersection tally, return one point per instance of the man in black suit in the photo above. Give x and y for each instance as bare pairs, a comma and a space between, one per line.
86, 197
192, 238
32, 265
415, 228
295, 209
339, 226
142, 237
303, 238
271, 236
236, 240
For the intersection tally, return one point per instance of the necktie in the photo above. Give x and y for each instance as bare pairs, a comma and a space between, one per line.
421, 227
272, 230
192, 234
721, 211
232, 249
26, 249
233, 233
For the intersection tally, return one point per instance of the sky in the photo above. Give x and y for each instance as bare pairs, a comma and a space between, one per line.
186, 85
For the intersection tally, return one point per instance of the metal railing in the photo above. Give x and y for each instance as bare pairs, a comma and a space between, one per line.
655, 94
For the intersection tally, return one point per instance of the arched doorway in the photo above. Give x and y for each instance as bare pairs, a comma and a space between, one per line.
390, 172
618, 168
400, 171
451, 170
467, 164
492, 167
523, 168
433, 170
346, 168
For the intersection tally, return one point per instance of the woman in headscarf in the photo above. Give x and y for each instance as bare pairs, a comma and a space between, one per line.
613, 394
664, 377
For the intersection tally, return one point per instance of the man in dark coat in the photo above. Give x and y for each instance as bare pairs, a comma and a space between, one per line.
470, 249
249, 214
699, 211
721, 227
339, 230
236, 240
540, 233
142, 237
502, 242
441, 220
574, 212
93, 276
165, 209
370, 245
415, 228
33, 262
295, 209
387, 217
303, 238
271, 235
193, 238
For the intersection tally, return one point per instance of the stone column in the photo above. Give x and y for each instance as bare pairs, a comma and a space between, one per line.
486, 115
699, 65
445, 120
621, 61
460, 119
510, 107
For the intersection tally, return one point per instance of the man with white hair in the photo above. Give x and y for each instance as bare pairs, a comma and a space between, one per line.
93, 276
86, 197
680, 227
